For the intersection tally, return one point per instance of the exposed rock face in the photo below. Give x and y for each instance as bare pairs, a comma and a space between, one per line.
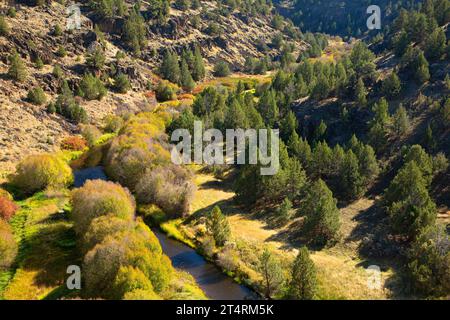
25, 128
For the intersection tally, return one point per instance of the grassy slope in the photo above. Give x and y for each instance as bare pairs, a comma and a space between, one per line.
341, 272
46, 242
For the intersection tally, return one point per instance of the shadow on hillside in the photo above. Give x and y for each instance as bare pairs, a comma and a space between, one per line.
49, 251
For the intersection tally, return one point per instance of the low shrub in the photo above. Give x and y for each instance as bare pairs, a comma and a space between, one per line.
37, 172
103, 226
4, 28
168, 187
112, 123
8, 245
7, 208
99, 198
74, 143
37, 96
92, 88
164, 92
221, 69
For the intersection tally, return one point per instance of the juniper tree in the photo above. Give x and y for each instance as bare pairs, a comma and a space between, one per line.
221, 69
303, 285
16, 69
121, 83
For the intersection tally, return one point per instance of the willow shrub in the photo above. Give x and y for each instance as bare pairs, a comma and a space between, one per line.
102, 227
37, 172
8, 245
100, 198
139, 146
139, 250
168, 187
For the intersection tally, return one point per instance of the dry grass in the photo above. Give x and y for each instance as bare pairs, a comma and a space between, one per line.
341, 272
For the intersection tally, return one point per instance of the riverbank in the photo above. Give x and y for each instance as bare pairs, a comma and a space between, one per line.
341, 271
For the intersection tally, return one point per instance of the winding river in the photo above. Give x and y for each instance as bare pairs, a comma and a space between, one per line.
212, 281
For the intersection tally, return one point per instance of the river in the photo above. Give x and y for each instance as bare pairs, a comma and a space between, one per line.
210, 278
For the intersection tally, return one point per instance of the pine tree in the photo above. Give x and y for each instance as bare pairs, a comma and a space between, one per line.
301, 149
272, 274
392, 85
435, 44
218, 225
16, 69
379, 126
350, 178
288, 126
401, 121
422, 72
284, 210
361, 93
408, 203
170, 69
322, 216
134, 31
198, 68
187, 82
268, 108
303, 285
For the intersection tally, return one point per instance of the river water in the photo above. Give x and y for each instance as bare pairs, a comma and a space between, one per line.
211, 279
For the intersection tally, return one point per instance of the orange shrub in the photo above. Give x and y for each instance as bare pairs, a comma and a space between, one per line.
7, 208
73, 143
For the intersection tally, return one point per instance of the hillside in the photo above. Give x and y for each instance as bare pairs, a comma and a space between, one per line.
357, 208
27, 128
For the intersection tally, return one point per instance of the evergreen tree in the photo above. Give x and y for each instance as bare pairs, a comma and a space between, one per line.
288, 126
16, 69
284, 210
122, 83
322, 216
303, 285
187, 82
134, 31
221, 69
198, 68
92, 87
408, 203
170, 69
392, 86
268, 108
428, 267
422, 72
350, 178
401, 121
300, 148
361, 93
4, 28
379, 126
272, 274
96, 59
218, 225
435, 44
